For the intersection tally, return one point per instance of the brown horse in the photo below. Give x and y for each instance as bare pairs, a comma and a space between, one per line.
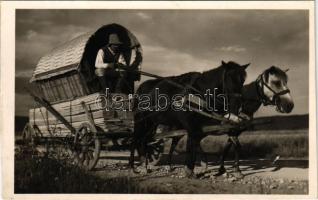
226, 79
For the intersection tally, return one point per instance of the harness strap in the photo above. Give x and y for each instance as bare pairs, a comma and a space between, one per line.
283, 92
190, 85
263, 98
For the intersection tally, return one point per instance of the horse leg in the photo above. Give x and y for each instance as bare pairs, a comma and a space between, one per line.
204, 157
192, 145
174, 143
132, 154
237, 146
139, 139
226, 149
143, 157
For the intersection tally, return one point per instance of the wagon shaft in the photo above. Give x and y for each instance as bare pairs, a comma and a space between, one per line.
56, 114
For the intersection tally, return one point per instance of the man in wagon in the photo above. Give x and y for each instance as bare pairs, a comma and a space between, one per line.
114, 70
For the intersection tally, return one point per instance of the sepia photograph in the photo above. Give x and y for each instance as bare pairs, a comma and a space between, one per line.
171, 100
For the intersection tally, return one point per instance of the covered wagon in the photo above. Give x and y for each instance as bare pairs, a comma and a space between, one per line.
68, 95
65, 78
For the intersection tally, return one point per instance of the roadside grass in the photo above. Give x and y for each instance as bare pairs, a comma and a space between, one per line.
261, 144
41, 174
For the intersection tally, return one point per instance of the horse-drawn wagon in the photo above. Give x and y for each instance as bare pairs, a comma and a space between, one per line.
70, 109
72, 113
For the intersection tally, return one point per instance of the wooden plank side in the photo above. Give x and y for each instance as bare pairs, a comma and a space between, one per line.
75, 107
67, 88
49, 91
61, 89
45, 92
99, 114
84, 84
60, 128
79, 84
74, 113
54, 90
75, 86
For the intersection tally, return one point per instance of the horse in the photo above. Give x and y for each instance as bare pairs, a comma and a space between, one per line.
270, 88
226, 79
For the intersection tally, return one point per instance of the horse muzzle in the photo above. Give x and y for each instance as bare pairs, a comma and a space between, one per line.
284, 105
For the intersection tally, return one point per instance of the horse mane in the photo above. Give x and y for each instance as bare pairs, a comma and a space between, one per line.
228, 66
215, 72
277, 71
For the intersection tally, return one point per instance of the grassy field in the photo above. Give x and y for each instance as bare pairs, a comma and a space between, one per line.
260, 144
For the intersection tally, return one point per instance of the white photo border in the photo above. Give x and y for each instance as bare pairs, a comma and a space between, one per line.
7, 105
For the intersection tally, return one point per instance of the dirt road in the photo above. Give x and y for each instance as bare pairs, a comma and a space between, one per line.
261, 177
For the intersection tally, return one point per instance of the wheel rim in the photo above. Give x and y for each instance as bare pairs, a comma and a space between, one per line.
87, 148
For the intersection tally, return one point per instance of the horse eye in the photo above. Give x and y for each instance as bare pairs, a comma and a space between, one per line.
277, 83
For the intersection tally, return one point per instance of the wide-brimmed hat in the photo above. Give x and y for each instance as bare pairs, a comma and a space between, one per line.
114, 39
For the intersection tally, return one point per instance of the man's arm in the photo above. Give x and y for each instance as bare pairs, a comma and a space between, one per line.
137, 59
99, 62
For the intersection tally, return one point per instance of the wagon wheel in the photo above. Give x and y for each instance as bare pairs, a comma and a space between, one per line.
28, 134
155, 151
87, 147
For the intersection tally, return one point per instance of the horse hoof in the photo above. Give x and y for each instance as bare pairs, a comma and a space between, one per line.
188, 173
141, 170
132, 172
204, 164
221, 171
238, 175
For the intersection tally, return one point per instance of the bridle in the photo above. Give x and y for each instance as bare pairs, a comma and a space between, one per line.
260, 84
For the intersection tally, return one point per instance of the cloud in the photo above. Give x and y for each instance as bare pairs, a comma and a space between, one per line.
143, 16
32, 45
166, 62
232, 48
31, 34
24, 73
257, 39
178, 41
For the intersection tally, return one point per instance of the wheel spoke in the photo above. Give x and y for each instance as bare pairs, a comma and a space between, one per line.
154, 151
86, 160
88, 146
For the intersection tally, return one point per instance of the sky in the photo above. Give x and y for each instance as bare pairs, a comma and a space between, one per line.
178, 41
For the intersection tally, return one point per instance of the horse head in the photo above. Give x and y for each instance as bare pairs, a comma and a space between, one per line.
234, 76
274, 89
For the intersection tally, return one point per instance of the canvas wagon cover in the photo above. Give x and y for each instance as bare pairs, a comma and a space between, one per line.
80, 53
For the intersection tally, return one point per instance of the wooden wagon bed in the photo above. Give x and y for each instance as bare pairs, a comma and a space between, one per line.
105, 120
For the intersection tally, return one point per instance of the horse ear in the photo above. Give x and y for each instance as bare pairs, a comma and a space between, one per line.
286, 70
223, 63
245, 66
